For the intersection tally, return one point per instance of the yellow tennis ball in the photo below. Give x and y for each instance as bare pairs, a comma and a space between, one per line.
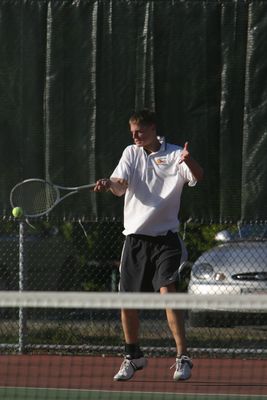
17, 212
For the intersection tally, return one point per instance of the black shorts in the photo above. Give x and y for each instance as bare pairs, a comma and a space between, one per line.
149, 263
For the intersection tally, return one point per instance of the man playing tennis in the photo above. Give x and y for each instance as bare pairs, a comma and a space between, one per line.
151, 173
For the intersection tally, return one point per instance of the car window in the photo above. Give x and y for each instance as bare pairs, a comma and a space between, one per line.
258, 231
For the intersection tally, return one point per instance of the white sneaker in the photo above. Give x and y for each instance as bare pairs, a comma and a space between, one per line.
128, 368
183, 366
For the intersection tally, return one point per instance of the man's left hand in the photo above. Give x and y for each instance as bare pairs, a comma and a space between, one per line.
185, 155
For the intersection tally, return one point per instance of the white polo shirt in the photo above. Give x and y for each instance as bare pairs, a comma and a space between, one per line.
155, 184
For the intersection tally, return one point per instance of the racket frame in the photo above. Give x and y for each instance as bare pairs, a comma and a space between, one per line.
71, 189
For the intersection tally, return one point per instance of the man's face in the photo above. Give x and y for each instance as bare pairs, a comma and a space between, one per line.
143, 135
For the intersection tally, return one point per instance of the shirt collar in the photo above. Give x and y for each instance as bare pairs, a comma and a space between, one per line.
162, 141
163, 145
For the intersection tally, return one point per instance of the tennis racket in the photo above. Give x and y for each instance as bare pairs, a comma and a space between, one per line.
38, 197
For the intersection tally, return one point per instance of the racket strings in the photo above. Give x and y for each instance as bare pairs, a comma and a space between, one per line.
35, 197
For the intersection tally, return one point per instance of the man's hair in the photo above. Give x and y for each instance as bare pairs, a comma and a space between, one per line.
143, 117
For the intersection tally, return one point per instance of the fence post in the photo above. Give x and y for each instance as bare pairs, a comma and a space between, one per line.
22, 281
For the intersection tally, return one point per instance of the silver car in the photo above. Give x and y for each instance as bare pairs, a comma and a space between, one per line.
237, 265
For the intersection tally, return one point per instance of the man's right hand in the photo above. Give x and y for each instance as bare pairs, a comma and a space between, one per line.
102, 185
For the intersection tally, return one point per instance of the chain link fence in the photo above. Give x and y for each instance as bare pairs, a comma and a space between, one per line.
81, 255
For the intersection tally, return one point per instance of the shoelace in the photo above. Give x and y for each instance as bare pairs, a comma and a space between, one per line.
179, 361
124, 365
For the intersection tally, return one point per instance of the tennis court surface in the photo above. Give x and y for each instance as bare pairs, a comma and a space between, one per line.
47, 375
90, 377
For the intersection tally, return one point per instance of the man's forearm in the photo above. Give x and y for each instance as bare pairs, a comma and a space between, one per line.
195, 168
118, 186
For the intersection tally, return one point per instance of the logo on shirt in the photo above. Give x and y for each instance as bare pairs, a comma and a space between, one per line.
161, 160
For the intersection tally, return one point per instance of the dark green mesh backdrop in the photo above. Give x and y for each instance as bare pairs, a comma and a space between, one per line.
72, 72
